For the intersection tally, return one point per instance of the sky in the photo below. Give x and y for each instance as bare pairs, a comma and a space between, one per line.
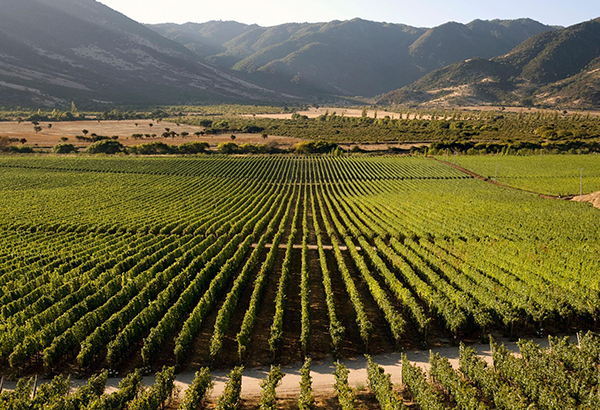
421, 13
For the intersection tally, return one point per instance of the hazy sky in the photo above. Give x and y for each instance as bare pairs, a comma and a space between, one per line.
422, 13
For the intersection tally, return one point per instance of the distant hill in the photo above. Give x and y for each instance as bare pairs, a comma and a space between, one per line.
346, 58
56, 51
559, 68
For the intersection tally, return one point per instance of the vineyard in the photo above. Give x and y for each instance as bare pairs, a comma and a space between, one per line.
119, 262
562, 376
226, 261
547, 174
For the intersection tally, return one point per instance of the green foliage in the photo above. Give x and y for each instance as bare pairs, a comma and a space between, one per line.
64, 149
544, 173
422, 392
128, 390
315, 147
267, 400
276, 331
465, 395
381, 384
228, 148
153, 148
198, 390
461, 130
142, 252
196, 147
230, 398
243, 336
345, 394
306, 400
233, 148
105, 147
155, 397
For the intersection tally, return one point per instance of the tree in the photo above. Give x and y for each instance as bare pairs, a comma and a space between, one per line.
85, 132
49, 126
196, 147
105, 147
64, 139
233, 137
37, 129
4, 143
64, 149
227, 148
153, 148
23, 140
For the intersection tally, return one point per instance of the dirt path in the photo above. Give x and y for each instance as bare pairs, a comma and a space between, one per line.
488, 180
313, 112
593, 198
322, 371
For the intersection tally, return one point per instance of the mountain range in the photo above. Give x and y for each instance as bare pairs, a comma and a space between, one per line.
555, 69
53, 52
347, 58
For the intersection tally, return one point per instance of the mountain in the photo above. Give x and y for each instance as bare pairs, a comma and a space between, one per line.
346, 58
559, 68
203, 39
453, 42
55, 51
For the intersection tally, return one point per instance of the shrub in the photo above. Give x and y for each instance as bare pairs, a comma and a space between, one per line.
64, 148
227, 148
193, 147
105, 147
315, 147
153, 148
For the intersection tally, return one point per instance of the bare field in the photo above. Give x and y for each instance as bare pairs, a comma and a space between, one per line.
593, 198
315, 112
49, 137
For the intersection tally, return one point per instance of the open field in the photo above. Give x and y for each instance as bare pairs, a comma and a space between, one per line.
313, 112
49, 137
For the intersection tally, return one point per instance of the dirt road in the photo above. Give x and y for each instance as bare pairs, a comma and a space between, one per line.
322, 371
593, 198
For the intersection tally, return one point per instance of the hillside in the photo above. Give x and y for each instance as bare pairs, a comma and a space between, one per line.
56, 51
553, 68
348, 58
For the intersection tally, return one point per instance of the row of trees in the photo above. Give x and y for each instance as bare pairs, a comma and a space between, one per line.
432, 125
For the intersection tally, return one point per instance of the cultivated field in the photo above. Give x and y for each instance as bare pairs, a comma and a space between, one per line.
547, 174
221, 261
